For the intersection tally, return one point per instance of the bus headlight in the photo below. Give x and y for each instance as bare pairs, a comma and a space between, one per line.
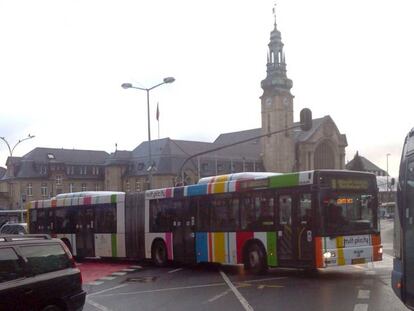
328, 255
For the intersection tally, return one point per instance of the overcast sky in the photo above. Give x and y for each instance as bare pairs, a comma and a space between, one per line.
62, 64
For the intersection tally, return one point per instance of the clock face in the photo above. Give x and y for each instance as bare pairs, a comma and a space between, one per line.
268, 102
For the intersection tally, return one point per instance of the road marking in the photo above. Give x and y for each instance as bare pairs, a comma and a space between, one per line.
97, 305
136, 267
128, 270
95, 283
119, 273
176, 270
361, 307
364, 294
107, 290
219, 296
239, 296
107, 278
267, 279
164, 290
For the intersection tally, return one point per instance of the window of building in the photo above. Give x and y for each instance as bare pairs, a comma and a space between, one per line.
83, 187
140, 166
138, 186
29, 190
58, 180
70, 170
97, 187
128, 187
71, 187
95, 170
82, 170
44, 190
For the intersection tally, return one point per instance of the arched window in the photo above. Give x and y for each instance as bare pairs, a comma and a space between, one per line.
324, 156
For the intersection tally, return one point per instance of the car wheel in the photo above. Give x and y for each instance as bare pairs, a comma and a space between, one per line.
159, 254
255, 259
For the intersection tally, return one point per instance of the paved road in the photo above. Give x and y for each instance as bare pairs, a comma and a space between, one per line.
355, 288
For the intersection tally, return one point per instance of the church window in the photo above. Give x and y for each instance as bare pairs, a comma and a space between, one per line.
324, 156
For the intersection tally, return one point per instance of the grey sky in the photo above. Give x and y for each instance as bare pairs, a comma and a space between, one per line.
62, 64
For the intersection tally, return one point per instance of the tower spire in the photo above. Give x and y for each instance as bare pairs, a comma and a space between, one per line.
274, 13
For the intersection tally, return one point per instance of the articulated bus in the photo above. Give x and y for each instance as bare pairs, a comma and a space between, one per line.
403, 270
312, 219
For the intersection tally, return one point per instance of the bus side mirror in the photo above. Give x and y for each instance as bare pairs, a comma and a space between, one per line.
305, 119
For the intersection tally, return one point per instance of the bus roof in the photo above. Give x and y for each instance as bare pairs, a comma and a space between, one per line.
236, 176
410, 142
80, 198
226, 183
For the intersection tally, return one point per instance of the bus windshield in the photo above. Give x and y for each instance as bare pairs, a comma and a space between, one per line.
349, 213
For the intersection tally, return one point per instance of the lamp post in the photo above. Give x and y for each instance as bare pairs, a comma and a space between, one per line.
130, 86
388, 187
11, 155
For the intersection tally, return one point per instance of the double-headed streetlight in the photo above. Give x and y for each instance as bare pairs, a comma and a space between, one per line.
20, 141
130, 86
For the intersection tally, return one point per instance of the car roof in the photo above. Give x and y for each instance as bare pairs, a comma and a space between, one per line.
16, 239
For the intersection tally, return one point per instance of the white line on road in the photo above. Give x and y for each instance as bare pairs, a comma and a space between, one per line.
239, 296
95, 283
164, 290
176, 270
219, 295
97, 305
107, 290
364, 294
119, 273
361, 307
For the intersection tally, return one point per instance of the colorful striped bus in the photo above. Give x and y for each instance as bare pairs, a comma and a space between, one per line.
312, 219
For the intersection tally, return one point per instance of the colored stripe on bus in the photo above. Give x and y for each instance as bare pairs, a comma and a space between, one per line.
376, 245
197, 190
210, 248
219, 247
280, 181
219, 187
169, 242
202, 247
179, 192
341, 253
113, 198
318, 252
114, 245
272, 249
53, 203
88, 201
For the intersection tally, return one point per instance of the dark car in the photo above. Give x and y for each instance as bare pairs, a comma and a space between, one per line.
38, 273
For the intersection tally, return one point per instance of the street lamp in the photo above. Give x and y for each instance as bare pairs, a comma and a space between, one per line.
388, 154
130, 86
20, 141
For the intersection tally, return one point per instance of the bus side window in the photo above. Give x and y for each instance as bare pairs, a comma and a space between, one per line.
285, 210
248, 215
264, 206
203, 214
305, 208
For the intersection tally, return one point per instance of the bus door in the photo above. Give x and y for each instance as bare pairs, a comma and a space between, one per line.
85, 232
183, 234
285, 240
304, 229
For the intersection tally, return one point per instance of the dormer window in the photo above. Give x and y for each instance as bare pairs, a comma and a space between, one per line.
141, 166
51, 156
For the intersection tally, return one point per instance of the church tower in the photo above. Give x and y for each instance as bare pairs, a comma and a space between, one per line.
277, 109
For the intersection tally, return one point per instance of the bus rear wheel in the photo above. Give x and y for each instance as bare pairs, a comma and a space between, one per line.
159, 254
255, 259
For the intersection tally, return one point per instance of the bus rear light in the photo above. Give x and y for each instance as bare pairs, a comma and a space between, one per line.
380, 250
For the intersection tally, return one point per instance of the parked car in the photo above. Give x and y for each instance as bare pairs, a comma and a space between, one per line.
38, 273
14, 228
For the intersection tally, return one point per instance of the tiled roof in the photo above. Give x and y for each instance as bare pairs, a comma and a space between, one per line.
68, 156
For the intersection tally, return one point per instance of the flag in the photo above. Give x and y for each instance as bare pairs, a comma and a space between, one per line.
158, 113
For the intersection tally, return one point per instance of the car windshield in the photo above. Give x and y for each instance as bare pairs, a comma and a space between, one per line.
349, 213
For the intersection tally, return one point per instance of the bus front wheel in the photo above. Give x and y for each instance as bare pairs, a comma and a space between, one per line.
159, 254
255, 258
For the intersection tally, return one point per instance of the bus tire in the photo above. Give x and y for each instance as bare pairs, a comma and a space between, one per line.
159, 253
255, 258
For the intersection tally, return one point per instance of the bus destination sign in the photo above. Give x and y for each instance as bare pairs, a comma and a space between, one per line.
349, 184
